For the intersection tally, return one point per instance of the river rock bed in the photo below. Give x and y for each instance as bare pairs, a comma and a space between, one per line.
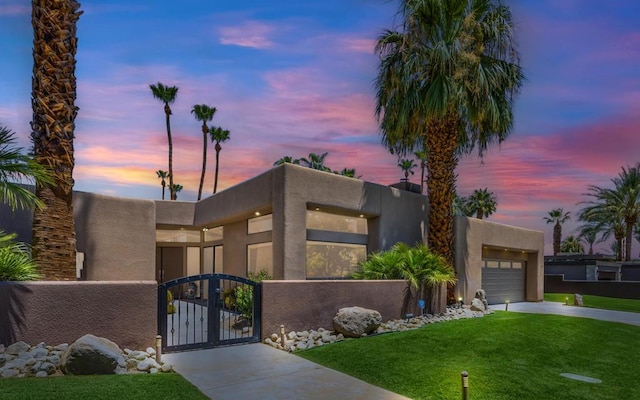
21, 360
313, 338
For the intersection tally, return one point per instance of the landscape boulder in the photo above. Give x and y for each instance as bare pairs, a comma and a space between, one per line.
578, 301
92, 355
477, 305
356, 321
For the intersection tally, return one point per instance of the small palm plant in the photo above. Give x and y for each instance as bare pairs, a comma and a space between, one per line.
407, 166
176, 188
16, 263
423, 271
286, 160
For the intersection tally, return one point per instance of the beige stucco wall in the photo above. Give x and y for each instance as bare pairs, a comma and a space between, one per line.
117, 236
313, 304
61, 312
473, 236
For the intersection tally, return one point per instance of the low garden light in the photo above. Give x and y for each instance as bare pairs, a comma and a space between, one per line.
158, 348
506, 305
460, 303
566, 301
465, 385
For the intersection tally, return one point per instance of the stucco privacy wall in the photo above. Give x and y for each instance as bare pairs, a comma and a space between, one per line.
117, 236
303, 305
472, 235
61, 312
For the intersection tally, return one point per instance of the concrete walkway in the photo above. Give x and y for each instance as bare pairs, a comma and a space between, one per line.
548, 307
258, 371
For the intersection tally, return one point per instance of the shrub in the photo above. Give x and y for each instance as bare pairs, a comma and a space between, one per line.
244, 294
420, 268
15, 260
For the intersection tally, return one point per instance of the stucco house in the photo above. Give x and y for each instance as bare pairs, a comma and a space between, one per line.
294, 222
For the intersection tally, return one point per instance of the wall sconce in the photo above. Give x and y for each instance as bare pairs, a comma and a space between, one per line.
506, 305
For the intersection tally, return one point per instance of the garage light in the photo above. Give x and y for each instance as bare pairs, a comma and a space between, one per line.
257, 213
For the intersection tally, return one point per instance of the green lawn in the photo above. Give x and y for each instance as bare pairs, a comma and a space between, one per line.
606, 303
508, 356
121, 387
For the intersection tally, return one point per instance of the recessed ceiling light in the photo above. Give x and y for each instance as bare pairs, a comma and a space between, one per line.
317, 208
257, 213
361, 215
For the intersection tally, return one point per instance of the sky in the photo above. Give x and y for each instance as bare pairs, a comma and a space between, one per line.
292, 78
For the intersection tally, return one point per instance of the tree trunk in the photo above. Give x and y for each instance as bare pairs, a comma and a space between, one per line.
53, 125
629, 239
204, 158
167, 113
442, 141
215, 182
422, 166
557, 238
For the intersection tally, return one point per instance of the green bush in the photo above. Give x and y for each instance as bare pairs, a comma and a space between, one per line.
15, 260
243, 294
420, 268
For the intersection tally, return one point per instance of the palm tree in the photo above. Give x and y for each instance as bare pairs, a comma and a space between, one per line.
54, 112
622, 201
606, 219
16, 263
286, 160
315, 161
589, 234
218, 135
407, 166
422, 157
167, 95
205, 114
482, 203
176, 189
448, 78
571, 245
163, 175
16, 167
348, 172
557, 217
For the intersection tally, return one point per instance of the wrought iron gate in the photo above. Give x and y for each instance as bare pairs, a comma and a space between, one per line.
208, 310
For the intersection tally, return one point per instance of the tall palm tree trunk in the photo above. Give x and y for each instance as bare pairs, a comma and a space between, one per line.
205, 130
167, 112
53, 125
557, 238
441, 180
215, 182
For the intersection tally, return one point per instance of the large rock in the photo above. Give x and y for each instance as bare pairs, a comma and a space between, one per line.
477, 305
577, 300
92, 355
17, 348
356, 321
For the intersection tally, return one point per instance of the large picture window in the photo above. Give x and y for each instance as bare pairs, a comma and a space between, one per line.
260, 257
179, 236
333, 260
323, 221
213, 234
260, 224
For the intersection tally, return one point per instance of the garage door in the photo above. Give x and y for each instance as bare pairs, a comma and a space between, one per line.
503, 279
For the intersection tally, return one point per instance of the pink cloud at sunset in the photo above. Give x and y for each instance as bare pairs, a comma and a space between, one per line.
252, 34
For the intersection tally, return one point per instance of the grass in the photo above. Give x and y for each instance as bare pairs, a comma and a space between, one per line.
97, 387
508, 356
606, 303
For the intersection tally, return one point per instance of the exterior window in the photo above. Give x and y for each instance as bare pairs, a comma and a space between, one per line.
217, 260
213, 234
322, 221
212, 261
505, 264
179, 236
492, 264
333, 260
516, 264
260, 257
260, 224
193, 261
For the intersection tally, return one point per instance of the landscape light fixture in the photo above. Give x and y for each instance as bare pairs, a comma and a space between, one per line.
506, 305
566, 301
460, 302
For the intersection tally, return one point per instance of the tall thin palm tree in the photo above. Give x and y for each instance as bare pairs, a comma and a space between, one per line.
162, 175
482, 203
167, 95
218, 135
203, 113
422, 157
17, 167
557, 217
52, 131
315, 161
448, 78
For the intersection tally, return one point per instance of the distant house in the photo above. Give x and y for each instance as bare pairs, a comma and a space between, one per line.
294, 222
583, 267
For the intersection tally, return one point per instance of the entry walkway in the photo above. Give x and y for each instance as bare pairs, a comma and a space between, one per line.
548, 307
258, 371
